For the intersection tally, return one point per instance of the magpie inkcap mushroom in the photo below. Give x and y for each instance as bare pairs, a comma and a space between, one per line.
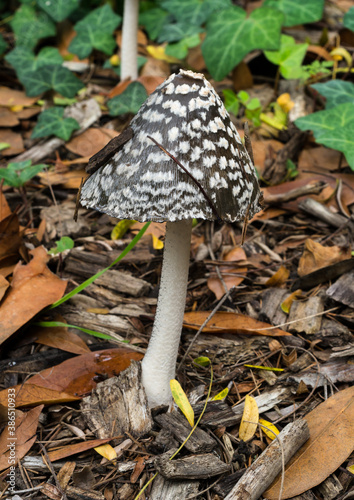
183, 123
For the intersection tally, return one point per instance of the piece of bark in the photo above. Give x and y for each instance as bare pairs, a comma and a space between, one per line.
125, 492
108, 324
301, 363
330, 488
308, 495
271, 302
172, 490
319, 211
300, 312
322, 275
59, 220
85, 112
293, 194
268, 465
118, 405
115, 280
81, 494
343, 289
164, 441
192, 467
179, 427
223, 487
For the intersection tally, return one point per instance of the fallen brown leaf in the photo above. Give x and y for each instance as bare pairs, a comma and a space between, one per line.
31, 394
316, 256
232, 276
14, 446
8, 118
69, 180
33, 287
72, 449
278, 278
91, 141
4, 207
14, 139
74, 377
331, 442
59, 337
10, 97
227, 322
4, 285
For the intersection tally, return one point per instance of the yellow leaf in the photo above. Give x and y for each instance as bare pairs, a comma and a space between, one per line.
286, 305
156, 243
351, 468
16, 108
158, 52
248, 425
221, 395
267, 368
285, 102
114, 60
121, 228
268, 428
107, 451
181, 401
340, 53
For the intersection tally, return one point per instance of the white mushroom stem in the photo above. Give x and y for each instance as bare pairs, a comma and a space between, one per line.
159, 363
129, 52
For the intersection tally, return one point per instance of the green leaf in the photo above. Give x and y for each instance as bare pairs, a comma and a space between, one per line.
297, 11
178, 31
202, 361
16, 174
58, 9
46, 78
128, 101
153, 21
336, 92
94, 31
23, 59
231, 101
348, 20
3, 45
231, 35
4, 145
289, 57
30, 26
65, 243
194, 12
52, 122
333, 128
180, 49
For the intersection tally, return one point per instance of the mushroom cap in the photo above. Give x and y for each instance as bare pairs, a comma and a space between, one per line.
187, 117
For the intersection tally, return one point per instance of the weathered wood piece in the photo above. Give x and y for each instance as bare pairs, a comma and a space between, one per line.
343, 289
60, 221
115, 280
172, 490
80, 494
300, 312
330, 488
320, 211
225, 485
271, 302
322, 275
177, 425
268, 465
118, 405
193, 467
105, 154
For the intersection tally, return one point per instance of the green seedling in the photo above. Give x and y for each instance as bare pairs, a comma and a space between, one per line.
252, 106
65, 243
16, 174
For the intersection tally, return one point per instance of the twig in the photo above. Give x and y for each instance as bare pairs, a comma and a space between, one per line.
51, 468
216, 308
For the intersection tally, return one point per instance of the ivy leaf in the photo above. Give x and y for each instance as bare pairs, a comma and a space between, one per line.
231, 101
333, 128
348, 19
52, 122
128, 101
289, 57
194, 12
3, 45
153, 21
23, 59
297, 12
51, 77
16, 174
58, 9
336, 92
30, 26
231, 35
177, 31
94, 31
180, 49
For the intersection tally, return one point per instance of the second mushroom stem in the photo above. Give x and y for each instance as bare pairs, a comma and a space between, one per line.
159, 363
